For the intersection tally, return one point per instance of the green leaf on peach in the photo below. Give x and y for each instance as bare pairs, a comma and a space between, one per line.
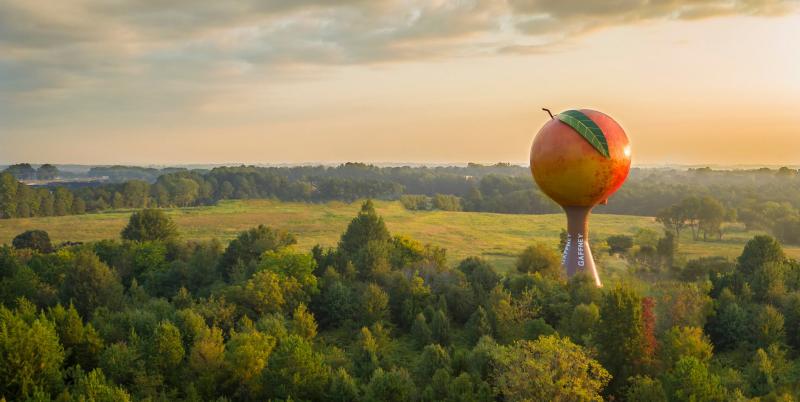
587, 128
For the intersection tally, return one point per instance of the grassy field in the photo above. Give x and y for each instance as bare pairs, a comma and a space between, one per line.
497, 237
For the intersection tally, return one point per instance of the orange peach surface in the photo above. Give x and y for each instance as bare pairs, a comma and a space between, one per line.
571, 171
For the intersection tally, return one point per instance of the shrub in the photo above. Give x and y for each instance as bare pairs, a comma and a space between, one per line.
37, 240
416, 202
619, 244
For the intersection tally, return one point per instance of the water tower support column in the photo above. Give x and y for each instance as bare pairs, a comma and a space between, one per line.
577, 256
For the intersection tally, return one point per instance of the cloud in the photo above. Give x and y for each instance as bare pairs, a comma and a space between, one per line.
575, 17
183, 45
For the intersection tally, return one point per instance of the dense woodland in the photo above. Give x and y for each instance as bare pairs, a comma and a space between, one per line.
701, 200
387, 318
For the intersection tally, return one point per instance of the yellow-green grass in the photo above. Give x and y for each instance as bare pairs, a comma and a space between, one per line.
497, 237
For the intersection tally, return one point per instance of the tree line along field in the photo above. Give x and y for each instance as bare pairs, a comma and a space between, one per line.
496, 237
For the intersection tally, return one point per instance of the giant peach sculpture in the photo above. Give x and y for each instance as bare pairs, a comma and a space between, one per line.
579, 158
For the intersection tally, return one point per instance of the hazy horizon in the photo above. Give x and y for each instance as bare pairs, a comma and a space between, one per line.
201, 165
434, 82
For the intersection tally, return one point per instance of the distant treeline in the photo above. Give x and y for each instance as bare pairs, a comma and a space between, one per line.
114, 174
119, 174
484, 186
761, 198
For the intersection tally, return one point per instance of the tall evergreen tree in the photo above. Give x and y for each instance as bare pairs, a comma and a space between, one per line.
365, 227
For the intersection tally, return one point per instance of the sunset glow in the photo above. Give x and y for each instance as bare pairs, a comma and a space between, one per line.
389, 82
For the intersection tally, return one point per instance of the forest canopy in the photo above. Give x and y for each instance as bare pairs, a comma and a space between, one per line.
382, 317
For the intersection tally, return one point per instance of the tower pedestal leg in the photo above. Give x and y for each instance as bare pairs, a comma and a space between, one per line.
577, 257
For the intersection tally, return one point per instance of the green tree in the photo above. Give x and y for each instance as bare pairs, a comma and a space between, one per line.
297, 371
761, 373
440, 328
666, 248
149, 225
581, 325
691, 211
246, 357
47, 172
619, 244
303, 323
22, 171
366, 358
343, 387
121, 362
390, 386
136, 193
30, 352
792, 319
46, 207
374, 304
768, 282
296, 273
730, 324
446, 202
711, 214
37, 240
540, 258
420, 331
645, 238
27, 200
117, 200
758, 251
62, 205
78, 206
8, 196
537, 327
264, 293
184, 191
405, 251
621, 334
365, 227
89, 284
769, 371
691, 381
336, 302
478, 325
372, 260
645, 389
685, 341
549, 369
466, 388
767, 327
480, 275
166, 351
82, 344
433, 358
249, 245
207, 358
95, 387
673, 218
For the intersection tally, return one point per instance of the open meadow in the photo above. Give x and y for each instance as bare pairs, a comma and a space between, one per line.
496, 237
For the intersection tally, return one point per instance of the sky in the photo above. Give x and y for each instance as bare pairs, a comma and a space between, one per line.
437, 81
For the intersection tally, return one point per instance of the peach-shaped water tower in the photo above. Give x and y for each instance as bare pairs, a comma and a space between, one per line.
579, 158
